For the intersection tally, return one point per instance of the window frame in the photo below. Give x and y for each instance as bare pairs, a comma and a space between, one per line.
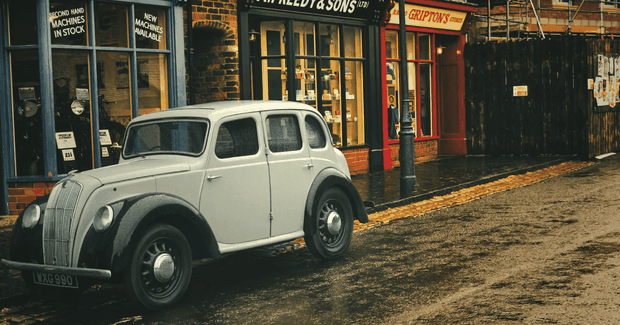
175, 67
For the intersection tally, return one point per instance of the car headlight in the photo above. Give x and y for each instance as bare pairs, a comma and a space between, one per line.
31, 216
103, 218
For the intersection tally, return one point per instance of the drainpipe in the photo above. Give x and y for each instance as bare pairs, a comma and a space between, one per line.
408, 181
488, 20
190, 51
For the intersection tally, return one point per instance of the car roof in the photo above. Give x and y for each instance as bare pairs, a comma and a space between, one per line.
216, 110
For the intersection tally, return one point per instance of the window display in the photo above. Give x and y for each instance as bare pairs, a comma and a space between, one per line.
83, 95
318, 71
28, 130
419, 80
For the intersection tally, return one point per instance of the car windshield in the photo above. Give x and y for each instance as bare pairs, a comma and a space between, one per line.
185, 137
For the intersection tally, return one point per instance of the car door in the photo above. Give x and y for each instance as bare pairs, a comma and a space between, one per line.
290, 170
321, 152
235, 196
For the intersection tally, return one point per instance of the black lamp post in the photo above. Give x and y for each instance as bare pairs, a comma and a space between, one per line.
408, 182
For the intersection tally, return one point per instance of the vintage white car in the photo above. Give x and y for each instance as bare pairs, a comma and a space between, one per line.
193, 182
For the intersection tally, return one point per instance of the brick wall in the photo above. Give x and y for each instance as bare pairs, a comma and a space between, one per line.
424, 151
21, 194
357, 159
216, 51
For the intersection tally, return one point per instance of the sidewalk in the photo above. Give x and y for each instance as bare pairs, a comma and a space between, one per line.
446, 175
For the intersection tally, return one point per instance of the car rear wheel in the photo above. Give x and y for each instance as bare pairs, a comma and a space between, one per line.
161, 267
333, 222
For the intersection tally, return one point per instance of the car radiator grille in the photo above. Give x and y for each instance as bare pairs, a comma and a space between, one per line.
59, 213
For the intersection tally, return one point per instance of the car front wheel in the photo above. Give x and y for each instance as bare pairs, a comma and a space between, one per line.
333, 222
161, 267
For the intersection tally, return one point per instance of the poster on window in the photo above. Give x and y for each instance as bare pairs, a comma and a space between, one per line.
601, 91
600, 65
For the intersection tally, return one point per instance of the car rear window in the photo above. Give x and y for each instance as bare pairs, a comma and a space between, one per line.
283, 133
237, 139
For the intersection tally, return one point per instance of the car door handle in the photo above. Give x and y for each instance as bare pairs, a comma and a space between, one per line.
210, 177
309, 166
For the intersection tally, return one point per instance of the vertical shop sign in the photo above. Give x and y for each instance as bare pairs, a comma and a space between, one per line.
147, 27
68, 22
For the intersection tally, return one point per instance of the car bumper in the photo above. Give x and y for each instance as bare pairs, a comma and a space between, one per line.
75, 271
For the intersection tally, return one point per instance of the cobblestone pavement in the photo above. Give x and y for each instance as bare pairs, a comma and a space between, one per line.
13, 290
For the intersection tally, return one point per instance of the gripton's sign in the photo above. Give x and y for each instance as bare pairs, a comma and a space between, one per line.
359, 9
429, 17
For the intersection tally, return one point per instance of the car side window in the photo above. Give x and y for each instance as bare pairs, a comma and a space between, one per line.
283, 133
236, 139
316, 136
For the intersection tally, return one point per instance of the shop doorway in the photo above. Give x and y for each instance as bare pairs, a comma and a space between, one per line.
450, 92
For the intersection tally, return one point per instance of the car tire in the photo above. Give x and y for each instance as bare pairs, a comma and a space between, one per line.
333, 222
161, 267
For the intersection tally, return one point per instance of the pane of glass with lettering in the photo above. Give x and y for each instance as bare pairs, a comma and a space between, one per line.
150, 28
22, 22
68, 23
111, 25
28, 130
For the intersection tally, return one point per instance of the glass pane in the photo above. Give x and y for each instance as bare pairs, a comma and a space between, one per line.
68, 23
72, 110
353, 42
425, 47
28, 130
410, 46
354, 95
331, 95
274, 82
166, 137
393, 98
425, 100
23, 22
152, 82
274, 74
111, 25
150, 26
114, 103
305, 81
236, 139
316, 136
283, 133
391, 44
304, 38
330, 40
411, 83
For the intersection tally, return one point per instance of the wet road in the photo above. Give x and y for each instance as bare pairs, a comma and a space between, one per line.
545, 253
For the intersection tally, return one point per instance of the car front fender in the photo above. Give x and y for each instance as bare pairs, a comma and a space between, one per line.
328, 178
113, 248
27, 244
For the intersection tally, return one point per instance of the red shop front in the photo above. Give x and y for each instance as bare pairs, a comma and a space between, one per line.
436, 36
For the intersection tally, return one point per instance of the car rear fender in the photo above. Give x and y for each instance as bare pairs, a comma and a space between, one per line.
113, 248
328, 178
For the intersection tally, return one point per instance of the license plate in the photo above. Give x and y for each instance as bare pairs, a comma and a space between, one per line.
56, 280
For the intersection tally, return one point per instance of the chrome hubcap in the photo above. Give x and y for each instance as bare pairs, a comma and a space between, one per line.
163, 268
334, 223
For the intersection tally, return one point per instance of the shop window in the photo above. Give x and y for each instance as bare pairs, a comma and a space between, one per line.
28, 130
318, 73
425, 99
152, 82
72, 110
68, 22
419, 82
114, 103
111, 25
150, 28
22, 22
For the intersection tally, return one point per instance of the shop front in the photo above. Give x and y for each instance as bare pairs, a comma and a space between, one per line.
323, 53
435, 35
74, 73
